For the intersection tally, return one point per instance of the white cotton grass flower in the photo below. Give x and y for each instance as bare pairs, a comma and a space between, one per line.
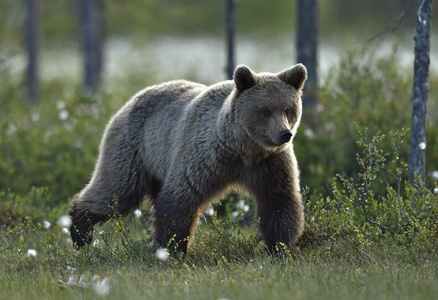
64, 221
82, 281
422, 146
60, 104
96, 243
241, 205
209, 211
309, 133
65, 230
162, 254
11, 129
31, 252
72, 280
435, 174
101, 287
35, 116
330, 126
71, 269
46, 224
138, 213
63, 115
435, 190
234, 214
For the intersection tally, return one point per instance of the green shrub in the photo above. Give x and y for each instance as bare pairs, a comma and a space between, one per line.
375, 206
372, 92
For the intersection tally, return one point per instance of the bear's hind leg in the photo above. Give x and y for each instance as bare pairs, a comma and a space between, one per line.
100, 201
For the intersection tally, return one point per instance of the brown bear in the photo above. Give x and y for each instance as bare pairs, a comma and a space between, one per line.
182, 145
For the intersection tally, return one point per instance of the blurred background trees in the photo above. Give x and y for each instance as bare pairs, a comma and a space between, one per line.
92, 31
31, 39
307, 53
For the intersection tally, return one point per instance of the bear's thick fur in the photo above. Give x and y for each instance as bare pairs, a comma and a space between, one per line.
183, 145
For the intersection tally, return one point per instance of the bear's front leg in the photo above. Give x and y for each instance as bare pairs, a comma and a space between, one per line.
176, 218
279, 206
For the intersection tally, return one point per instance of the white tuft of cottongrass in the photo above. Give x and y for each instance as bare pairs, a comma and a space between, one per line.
435, 174
96, 243
46, 224
72, 280
422, 145
63, 115
35, 116
64, 221
82, 281
162, 254
60, 104
209, 212
309, 133
71, 269
31, 252
101, 287
241, 205
65, 230
435, 190
138, 213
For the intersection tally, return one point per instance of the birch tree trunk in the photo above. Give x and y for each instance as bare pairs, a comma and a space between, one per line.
31, 41
307, 52
417, 152
230, 22
92, 24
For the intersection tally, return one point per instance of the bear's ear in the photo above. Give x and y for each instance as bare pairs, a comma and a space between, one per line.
294, 76
244, 78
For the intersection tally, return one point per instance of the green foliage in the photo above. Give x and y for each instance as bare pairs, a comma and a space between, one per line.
369, 91
52, 144
16, 209
377, 205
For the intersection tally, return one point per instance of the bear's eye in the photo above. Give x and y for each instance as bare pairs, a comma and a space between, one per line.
287, 111
267, 113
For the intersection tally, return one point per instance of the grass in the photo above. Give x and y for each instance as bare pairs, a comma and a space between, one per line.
238, 267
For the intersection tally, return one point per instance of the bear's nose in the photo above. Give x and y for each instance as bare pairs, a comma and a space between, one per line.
285, 136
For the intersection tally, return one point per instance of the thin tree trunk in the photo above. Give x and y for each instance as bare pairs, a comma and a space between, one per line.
417, 154
31, 40
92, 20
230, 27
307, 52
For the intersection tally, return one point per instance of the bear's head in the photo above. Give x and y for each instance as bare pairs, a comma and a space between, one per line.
268, 106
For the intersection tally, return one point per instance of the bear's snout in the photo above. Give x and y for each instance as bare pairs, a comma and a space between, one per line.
285, 136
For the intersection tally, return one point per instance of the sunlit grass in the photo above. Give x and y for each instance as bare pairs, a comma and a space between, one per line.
261, 277
225, 262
